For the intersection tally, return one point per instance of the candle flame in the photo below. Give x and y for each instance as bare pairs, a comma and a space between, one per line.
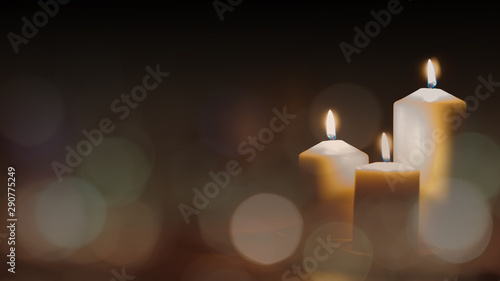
431, 75
386, 153
330, 126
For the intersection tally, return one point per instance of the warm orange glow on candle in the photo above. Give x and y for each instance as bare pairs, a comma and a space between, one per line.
386, 153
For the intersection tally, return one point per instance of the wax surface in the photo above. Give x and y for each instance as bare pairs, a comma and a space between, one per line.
327, 171
385, 167
430, 95
385, 205
333, 162
425, 123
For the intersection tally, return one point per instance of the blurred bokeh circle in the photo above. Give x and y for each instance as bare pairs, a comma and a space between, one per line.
266, 228
476, 159
460, 224
71, 213
214, 220
119, 168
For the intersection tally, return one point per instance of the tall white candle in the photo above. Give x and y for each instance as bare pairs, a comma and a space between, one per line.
424, 124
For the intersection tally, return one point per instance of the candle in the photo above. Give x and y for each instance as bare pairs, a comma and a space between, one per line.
384, 210
328, 169
424, 124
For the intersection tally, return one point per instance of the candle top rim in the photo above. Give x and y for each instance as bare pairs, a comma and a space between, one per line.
386, 167
431, 95
332, 147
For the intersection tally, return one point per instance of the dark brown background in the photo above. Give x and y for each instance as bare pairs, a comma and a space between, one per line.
225, 79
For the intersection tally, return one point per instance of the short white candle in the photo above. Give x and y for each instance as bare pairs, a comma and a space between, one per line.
384, 209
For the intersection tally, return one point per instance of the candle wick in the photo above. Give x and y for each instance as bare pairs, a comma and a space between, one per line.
332, 138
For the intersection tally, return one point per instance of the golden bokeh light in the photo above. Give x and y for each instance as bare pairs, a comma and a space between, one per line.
266, 228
